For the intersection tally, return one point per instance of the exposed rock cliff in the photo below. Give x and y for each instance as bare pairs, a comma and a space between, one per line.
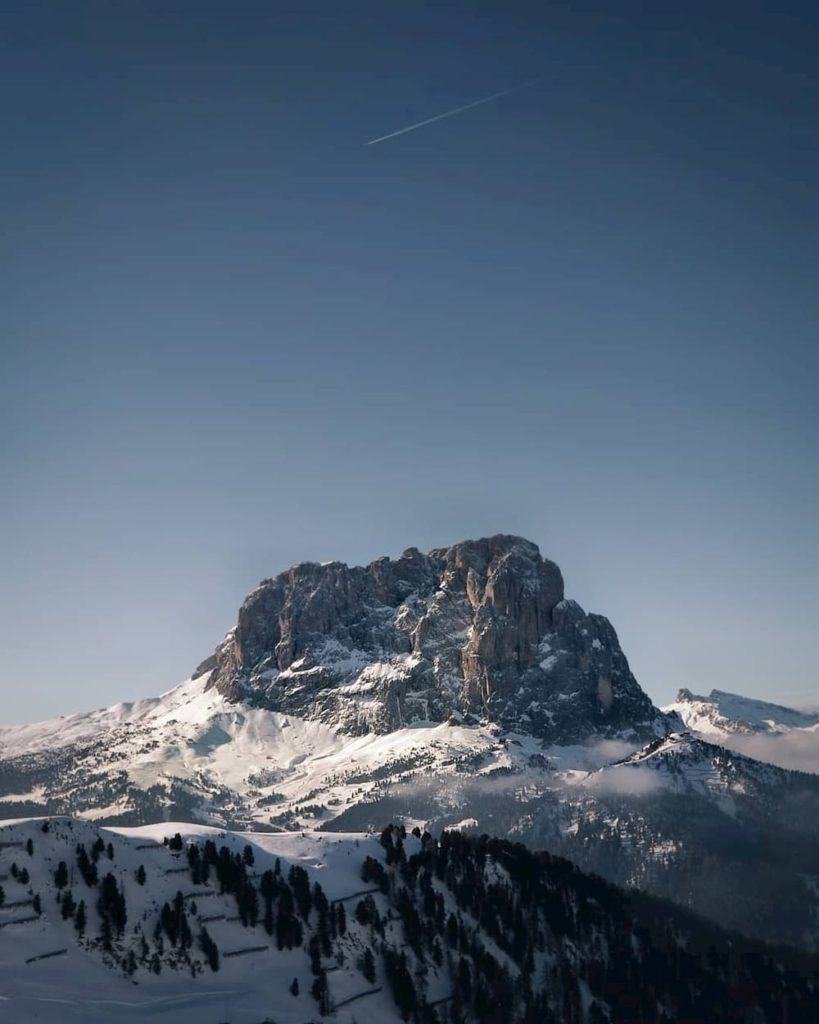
480, 628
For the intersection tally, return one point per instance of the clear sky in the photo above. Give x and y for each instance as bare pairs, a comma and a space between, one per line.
235, 337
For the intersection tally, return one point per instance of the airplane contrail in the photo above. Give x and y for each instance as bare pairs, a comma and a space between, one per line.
451, 113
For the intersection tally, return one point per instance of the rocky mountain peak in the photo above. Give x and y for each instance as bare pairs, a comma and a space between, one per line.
478, 628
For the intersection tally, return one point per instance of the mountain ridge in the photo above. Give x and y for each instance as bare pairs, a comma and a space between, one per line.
478, 628
457, 688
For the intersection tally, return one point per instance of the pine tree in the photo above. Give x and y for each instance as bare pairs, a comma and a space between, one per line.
36, 904
140, 874
61, 875
210, 949
366, 964
321, 993
106, 934
30, 846
88, 869
80, 918
294, 987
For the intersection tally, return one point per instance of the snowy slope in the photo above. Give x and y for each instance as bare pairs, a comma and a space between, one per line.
769, 732
721, 714
75, 981
193, 752
476, 931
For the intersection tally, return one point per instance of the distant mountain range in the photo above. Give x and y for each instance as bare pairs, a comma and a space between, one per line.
722, 715
784, 736
454, 688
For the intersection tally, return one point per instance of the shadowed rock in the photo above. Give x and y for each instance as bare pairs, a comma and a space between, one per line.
479, 628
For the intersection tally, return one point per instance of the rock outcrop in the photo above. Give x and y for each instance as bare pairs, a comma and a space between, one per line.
481, 628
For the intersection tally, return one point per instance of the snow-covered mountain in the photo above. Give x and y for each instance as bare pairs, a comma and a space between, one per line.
722, 714
336, 677
185, 924
481, 628
770, 732
458, 688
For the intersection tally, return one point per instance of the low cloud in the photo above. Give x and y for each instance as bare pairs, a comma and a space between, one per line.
626, 780
797, 750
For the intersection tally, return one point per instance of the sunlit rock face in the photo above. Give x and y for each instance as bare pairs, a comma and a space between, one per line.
479, 629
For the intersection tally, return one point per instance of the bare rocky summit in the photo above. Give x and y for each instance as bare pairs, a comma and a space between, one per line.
481, 628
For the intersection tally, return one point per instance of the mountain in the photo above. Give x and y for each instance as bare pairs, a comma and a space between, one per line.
338, 681
457, 688
770, 732
479, 628
722, 714
185, 924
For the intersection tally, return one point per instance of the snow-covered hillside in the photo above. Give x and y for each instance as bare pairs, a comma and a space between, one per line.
194, 752
52, 973
195, 755
191, 925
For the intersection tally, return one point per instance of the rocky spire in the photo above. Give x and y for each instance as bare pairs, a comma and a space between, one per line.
480, 628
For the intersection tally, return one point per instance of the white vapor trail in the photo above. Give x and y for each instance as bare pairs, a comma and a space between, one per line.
452, 113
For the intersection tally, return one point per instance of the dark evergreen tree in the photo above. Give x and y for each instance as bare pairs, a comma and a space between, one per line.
314, 952
106, 934
366, 964
321, 993
300, 884
400, 982
210, 949
111, 903
294, 987
87, 867
61, 875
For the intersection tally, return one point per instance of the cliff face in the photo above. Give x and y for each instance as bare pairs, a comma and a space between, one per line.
480, 628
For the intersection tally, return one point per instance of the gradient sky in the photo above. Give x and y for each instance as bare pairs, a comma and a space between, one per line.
235, 337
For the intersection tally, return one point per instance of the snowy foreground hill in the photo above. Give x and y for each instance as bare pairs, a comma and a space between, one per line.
455, 689
194, 924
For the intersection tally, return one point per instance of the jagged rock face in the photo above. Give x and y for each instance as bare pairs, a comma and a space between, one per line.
479, 628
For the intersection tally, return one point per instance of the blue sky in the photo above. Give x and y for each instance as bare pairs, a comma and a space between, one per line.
234, 336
